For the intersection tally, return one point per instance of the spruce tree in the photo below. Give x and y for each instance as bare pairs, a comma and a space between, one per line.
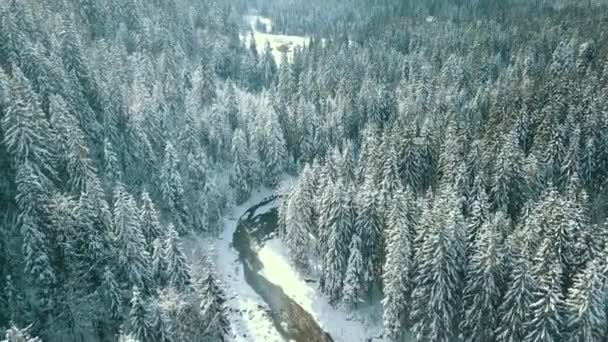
129, 240
351, 291
482, 292
586, 308
138, 324
398, 268
177, 268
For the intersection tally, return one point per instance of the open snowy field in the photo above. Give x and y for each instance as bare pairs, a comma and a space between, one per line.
278, 42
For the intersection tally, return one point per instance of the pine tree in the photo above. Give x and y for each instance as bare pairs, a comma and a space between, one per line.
161, 328
514, 311
26, 129
129, 240
111, 294
212, 309
483, 283
71, 145
335, 235
369, 226
138, 325
399, 264
38, 265
586, 315
351, 291
242, 177
437, 283
172, 187
177, 268
298, 227
276, 151
112, 167
150, 223
547, 318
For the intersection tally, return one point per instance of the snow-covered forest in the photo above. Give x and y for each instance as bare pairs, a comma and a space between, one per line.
443, 160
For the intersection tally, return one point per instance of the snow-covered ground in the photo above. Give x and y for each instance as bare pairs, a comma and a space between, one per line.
360, 325
277, 41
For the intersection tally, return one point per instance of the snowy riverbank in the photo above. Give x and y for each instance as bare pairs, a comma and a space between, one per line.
248, 312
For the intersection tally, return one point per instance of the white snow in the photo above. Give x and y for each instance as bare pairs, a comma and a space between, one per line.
360, 325
276, 41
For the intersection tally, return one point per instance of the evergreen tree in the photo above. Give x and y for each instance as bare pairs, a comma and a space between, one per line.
586, 318
437, 283
150, 223
369, 226
335, 236
547, 317
298, 227
138, 324
242, 177
177, 269
276, 153
399, 266
351, 291
514, 311
482, 292
129, 240
212, 309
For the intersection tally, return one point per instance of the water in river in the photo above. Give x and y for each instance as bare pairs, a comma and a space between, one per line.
290, 319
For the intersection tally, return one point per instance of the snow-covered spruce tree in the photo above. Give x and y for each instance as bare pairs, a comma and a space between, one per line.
26, 129
112, 167
70, 145
507, 187
276, 152
437, 283
546, 322
38, 266
241, 178
138, 323
586, 308
298, 226
337, 233
112, 296
150, 222
390, 171
515, 310
351, 290
161, 327
129, 241
94, 220
574, 232
158, 264
212, 308
172, 188
478, 213
482, 293
177, 269
398, 269
369, 226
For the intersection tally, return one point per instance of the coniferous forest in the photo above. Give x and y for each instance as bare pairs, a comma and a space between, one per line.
445, 159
